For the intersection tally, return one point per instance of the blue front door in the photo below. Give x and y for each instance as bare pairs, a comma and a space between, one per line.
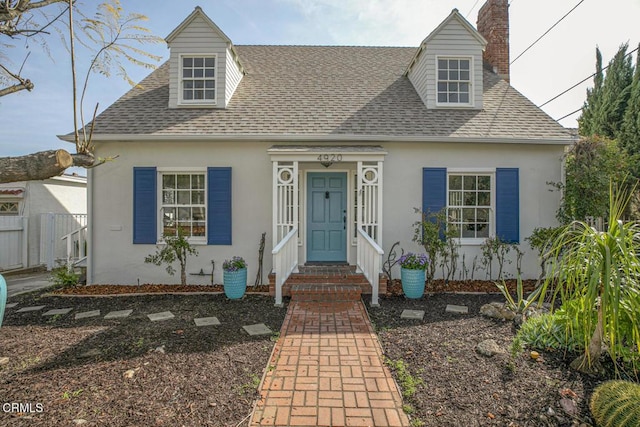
326, 216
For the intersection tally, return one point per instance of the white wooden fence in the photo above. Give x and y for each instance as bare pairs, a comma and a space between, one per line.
53, 227
14, 239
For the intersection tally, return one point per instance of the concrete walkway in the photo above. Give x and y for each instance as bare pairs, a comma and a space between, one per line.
327, 370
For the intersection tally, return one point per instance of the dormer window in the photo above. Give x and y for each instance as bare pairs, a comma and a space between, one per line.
454, 81
198, 79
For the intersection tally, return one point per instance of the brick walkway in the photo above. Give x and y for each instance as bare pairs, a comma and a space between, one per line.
327, 370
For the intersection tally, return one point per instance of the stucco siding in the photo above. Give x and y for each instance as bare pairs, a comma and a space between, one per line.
197, 38
403, 189
453, 40
115, 259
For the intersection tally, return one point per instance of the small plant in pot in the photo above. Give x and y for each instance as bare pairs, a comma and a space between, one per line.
412, 271
235, 277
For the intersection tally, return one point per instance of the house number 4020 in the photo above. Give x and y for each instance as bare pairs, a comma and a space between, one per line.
330, 158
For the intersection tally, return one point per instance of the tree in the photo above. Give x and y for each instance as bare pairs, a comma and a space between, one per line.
591, 164
629, 136
586, 122
606, 103
113, 38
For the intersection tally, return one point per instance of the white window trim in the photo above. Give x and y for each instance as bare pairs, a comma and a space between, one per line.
192, 102
198, 241
476, 241
472, 78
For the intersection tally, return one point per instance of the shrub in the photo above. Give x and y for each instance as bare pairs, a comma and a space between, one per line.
176, 248
61, 277
550, 331
616, 403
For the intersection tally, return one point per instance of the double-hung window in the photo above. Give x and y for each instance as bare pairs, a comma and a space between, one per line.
469, 205
454, 81
198, 78
184, 204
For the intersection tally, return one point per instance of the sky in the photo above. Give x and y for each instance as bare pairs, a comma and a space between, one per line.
30, 121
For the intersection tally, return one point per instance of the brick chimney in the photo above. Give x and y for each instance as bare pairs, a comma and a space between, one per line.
493, 24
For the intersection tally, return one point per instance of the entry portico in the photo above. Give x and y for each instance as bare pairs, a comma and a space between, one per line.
327, 201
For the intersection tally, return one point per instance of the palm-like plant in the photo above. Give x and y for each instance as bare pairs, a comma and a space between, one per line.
600, 271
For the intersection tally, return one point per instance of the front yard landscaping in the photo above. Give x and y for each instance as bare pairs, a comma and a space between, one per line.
131, 371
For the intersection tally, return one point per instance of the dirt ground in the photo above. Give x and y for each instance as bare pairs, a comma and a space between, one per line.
456, 386
134, 372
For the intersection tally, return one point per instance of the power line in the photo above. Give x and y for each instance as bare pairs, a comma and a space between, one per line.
473, 7
546, 32
570, 114
581, 81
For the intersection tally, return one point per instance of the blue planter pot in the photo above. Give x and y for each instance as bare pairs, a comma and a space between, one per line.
3, 297
235, 283
412, 283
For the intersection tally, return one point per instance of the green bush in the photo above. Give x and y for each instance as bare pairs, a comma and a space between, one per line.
61, 277
551, 331
616, 404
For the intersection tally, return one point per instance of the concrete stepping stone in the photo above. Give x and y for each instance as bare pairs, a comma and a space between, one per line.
118, 314
33, 308
86, 314
258, 329
207, 321
459, 309
156, 317
13, 304
57, 311
412, 314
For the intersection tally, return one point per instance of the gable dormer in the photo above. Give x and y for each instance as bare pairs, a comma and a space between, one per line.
446, 71
204, 68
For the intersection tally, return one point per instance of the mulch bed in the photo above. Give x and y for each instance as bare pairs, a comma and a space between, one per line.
180, 374
461, 387
183, 375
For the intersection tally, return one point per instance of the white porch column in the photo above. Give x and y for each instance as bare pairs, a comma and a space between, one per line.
285, 199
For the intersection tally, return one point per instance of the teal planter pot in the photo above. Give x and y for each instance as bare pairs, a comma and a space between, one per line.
3, 297
235, 283
412, 283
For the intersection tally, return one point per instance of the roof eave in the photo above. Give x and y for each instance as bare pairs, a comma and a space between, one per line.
342, 138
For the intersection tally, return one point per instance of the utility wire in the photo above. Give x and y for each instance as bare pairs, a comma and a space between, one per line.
581, 81
472, 7
546, 32
570, 114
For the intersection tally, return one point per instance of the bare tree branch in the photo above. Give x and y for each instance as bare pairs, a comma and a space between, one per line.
22, 85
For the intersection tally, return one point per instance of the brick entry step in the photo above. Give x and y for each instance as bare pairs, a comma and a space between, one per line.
325, 293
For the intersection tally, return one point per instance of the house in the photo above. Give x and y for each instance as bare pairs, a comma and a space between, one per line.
328, 149
34, 215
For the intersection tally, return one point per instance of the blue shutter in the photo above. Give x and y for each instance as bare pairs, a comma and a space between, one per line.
219, 206
434, 192
508, 205
434, 189
145, 230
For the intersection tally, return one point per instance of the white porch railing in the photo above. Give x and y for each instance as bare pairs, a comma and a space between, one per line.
76, 243
285, 260
370, 262
52, 227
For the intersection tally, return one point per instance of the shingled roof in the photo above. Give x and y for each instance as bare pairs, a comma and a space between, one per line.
326, 91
